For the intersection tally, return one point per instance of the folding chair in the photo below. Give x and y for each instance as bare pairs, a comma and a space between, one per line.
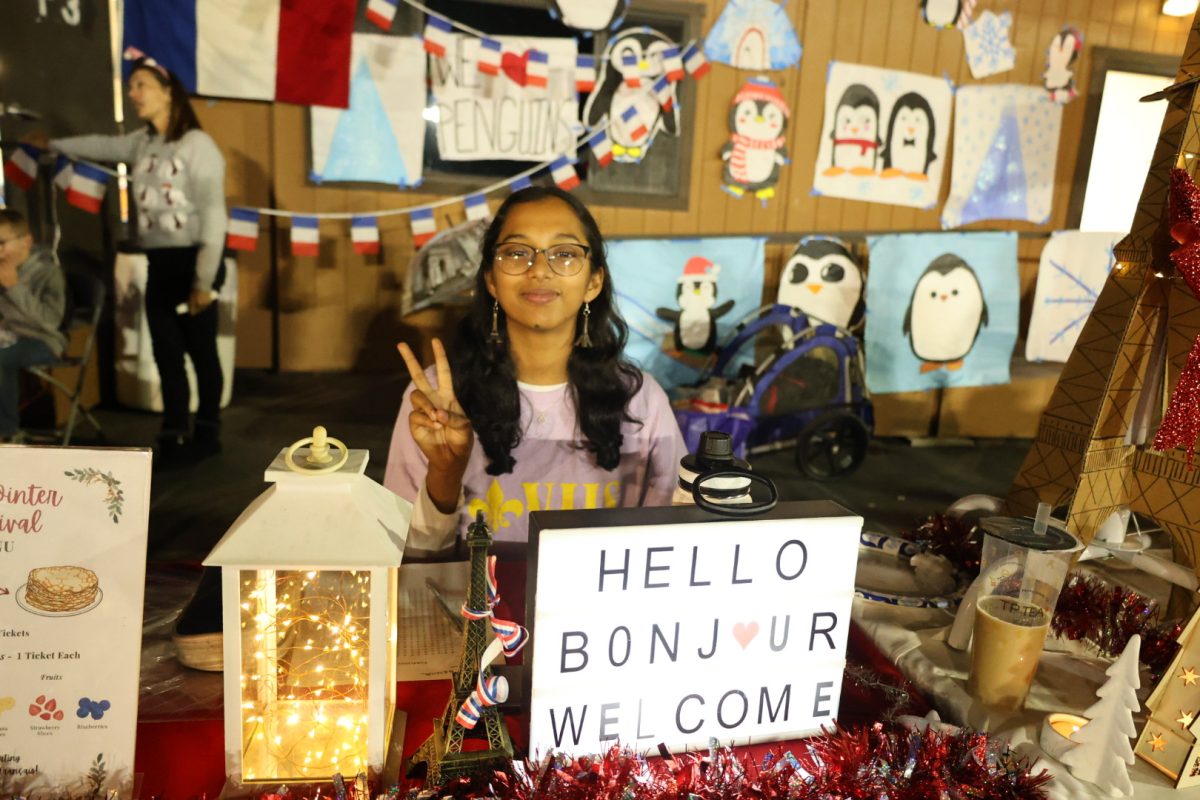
86, 304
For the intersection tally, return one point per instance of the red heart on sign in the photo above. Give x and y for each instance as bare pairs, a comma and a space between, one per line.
514, 66
745, 633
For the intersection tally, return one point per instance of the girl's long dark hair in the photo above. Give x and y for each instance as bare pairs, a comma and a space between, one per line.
602, 381
183, 116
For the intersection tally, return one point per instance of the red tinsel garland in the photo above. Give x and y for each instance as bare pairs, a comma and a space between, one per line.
961, 543
1107, 616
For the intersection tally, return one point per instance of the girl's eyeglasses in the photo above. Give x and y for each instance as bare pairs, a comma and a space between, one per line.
564, 259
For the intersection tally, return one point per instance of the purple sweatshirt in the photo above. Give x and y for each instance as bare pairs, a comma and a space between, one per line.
552, 472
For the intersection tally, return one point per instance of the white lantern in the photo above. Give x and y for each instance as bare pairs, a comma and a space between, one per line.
309, 590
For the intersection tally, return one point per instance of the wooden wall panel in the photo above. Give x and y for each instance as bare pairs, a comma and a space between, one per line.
341, 310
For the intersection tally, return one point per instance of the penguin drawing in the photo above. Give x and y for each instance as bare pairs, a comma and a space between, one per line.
620, 87
855, 132
945, 314
756, 148
823, 280
910, 137
1059, 77
589, 15
941, 13
696, 318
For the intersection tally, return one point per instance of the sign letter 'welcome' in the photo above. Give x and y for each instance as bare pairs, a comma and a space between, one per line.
670, 625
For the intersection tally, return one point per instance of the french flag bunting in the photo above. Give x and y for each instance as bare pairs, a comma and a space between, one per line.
564, 173
695, 62
242, 233
537, 69
63, 172
673, 64
664, 90
585, 73
364, 235
306, 238
629, 68
601, 147
296, 51
637, 125
489, 56
381, 13
87, 186
520, 183
477, 207
437, 35
423, 226
22, 166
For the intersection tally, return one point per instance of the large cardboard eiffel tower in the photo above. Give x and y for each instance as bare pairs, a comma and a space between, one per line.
1093, 444
443, 750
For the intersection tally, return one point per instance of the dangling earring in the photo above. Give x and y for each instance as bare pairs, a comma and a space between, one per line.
584, 340
494, 336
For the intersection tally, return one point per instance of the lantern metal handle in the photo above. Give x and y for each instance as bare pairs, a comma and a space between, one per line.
318, 455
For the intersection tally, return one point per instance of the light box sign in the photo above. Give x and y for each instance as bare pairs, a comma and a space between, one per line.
676, 626
72, 574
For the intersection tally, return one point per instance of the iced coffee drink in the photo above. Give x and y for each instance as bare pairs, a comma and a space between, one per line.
1008, 640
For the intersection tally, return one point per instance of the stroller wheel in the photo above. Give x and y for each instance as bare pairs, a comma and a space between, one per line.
832, 445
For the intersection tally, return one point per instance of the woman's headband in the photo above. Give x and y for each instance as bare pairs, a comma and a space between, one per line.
134, 54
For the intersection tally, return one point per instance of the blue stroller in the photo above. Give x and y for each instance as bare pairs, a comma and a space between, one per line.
808, 390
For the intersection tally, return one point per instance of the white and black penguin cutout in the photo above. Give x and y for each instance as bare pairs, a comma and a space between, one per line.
696, 318
824, 280
941, 13
589, 15
945, 314
756, 150
910, 137
613, 95
1059, 77
855, 132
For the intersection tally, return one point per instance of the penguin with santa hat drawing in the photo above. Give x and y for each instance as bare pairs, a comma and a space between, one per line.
696, 318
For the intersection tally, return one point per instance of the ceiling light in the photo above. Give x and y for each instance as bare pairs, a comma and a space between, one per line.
1179, 8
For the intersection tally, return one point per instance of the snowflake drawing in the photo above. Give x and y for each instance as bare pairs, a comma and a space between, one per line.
1074, 267
988, 47
1077, 294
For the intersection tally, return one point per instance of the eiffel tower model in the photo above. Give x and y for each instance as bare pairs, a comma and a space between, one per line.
1093, 447
443, 750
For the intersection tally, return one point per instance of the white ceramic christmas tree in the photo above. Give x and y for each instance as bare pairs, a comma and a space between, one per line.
1102, 754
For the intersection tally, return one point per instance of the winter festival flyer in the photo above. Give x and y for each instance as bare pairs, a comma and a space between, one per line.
675, 626
73, 525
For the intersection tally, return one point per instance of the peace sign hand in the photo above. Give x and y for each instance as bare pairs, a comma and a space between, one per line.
437, 422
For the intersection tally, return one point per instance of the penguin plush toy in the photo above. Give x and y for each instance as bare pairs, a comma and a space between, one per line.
696, 318
756, 148
910, 137
945, 314
589, 15
630, 65
823, 280
855, 132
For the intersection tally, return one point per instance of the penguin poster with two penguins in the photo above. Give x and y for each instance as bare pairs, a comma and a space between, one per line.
884, 135
944, 310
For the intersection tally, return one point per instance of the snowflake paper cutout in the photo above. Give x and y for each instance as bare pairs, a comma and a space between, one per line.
988, 46
1078, 293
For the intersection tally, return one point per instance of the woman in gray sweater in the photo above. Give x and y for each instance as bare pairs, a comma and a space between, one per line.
179, 191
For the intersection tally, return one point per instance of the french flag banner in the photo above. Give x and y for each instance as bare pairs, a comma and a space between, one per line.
381, 13
63, 172
564, 173
87, 186
585, 74
488, 60
364, 235
601, 148
637, 125
423, 226
537, 69
673, 64
695, 62
437, 35
22, 166
287, 51
242, 233
306, 238
664, 90
520, 183
629, 69
477, 207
